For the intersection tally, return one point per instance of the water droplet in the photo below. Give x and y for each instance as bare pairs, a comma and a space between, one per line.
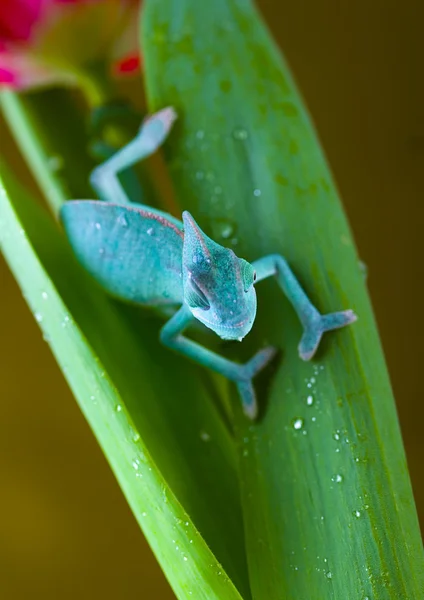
309, 400
101, 250
298, 423
204, 436
44, 295
227, 230
329, 575
336, 436
118, 408
240, 134
98, 226
66, 321
357, 513
38, 317
144, 514
185, 558
200, 134
363, 269
257, 192
122, 220
150, 231
222, 228
337, 478
55, 163
92, 397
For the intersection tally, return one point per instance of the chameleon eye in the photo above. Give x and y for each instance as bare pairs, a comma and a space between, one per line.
194, 296
248, 275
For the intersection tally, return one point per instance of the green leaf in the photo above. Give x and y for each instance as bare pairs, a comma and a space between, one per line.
326, 495
150, 410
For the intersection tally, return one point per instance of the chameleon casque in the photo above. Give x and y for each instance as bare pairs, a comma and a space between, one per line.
145, 256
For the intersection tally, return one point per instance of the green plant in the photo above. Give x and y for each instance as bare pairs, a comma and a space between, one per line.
315, 497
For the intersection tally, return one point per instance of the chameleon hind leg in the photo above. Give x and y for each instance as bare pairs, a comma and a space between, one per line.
153, 132
314, 324
242, 375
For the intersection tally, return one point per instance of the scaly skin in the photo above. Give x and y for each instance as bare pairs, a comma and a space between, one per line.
143, 255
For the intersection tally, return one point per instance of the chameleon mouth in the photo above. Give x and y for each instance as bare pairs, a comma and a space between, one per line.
230, 332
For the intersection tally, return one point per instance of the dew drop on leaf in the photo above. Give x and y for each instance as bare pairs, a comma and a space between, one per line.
240, 134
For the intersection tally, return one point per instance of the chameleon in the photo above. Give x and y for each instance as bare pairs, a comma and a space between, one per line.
146, 256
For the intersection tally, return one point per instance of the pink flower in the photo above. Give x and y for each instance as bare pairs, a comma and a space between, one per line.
54, 41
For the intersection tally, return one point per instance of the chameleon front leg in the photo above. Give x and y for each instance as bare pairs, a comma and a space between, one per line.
153, 132
242, 375
314, 324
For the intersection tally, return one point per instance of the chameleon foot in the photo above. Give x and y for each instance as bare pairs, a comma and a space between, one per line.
245, 386
319, 325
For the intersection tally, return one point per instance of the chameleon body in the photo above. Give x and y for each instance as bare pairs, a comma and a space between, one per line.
145, 256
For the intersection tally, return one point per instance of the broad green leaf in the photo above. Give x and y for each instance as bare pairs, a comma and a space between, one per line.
327, 501
150, 410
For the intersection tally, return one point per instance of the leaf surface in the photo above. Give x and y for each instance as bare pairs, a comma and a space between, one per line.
326, 495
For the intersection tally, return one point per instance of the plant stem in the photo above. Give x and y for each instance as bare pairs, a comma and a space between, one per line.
26, 135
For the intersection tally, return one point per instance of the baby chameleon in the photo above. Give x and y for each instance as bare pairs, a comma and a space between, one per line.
145, 256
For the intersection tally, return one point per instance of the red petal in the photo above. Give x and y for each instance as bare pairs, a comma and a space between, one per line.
128, 64
17, 18
7, 77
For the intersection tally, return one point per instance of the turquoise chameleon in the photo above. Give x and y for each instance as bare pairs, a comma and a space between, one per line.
147, 257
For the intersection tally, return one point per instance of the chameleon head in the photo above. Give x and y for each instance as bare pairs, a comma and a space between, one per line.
218, 286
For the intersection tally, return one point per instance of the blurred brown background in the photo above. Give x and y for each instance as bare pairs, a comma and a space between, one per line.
358, 65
